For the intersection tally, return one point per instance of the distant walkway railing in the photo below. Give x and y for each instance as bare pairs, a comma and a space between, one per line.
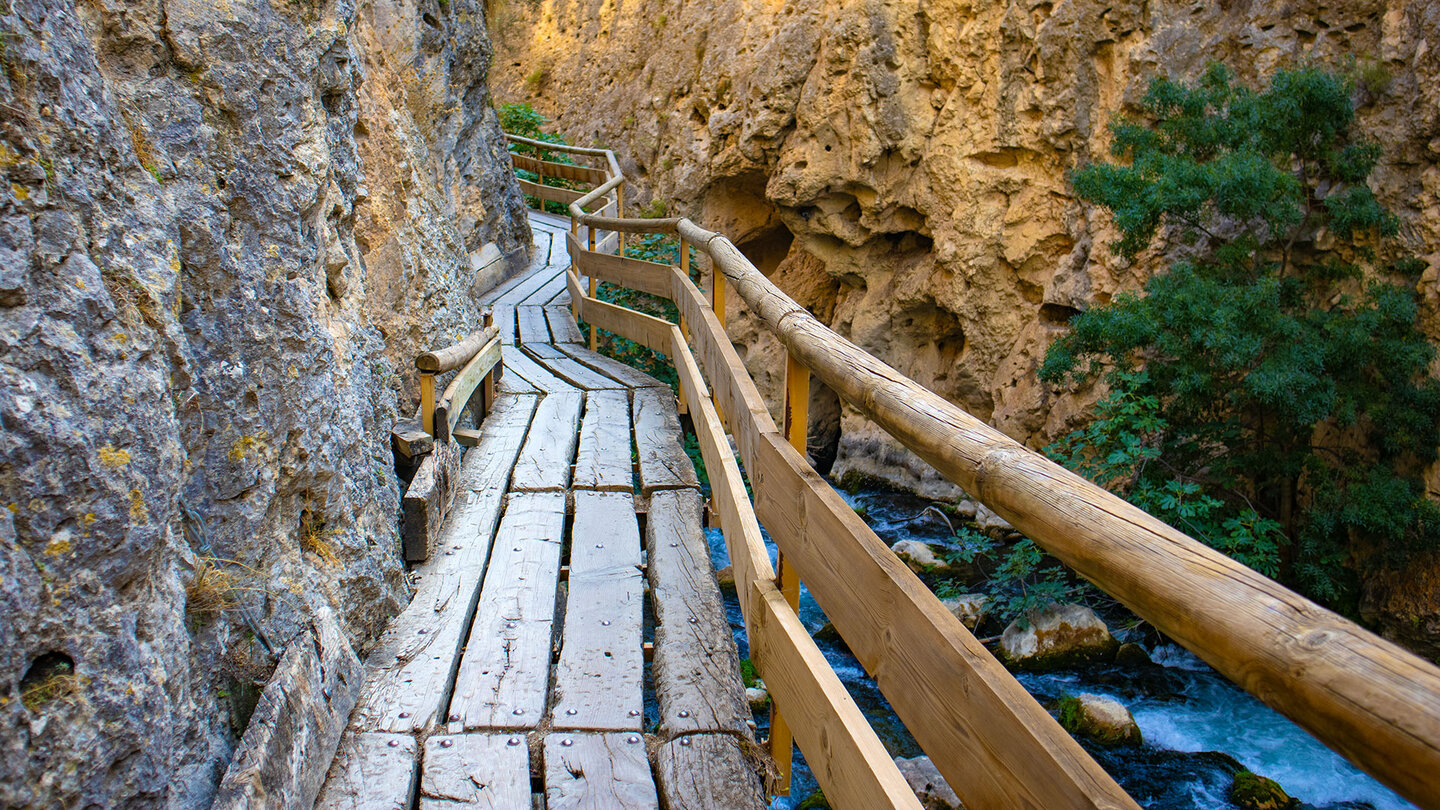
1368, 699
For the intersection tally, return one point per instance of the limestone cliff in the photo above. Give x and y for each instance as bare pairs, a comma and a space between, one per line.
226, 229
899, 166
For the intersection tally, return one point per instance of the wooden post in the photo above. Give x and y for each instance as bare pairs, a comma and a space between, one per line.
796, 423
594, 283
620, 214
427, 402
717, 303
487, 388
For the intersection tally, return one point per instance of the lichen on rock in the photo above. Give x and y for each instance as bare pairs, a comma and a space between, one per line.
1102, 719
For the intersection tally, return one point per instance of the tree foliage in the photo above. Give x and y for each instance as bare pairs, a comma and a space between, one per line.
1270, 392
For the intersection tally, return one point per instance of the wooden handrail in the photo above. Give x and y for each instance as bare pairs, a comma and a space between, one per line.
1370, 700
477, 356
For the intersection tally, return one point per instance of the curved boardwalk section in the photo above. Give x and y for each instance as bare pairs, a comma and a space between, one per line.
517, 676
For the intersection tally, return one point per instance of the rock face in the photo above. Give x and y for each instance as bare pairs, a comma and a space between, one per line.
1060, 636
898, 167
1099, 718
225, 232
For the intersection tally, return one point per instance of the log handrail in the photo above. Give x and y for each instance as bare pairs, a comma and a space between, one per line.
1368, 699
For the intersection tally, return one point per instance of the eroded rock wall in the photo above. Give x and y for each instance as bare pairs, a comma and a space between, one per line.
900, 164
225, 231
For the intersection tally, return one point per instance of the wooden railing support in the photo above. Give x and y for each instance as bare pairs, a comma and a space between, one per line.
594, 282
427, 402
795, 427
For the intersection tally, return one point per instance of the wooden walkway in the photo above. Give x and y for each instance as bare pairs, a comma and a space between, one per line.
519, 676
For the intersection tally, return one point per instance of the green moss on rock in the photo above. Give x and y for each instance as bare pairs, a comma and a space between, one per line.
1251, 791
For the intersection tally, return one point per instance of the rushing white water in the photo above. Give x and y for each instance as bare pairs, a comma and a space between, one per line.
1216, 716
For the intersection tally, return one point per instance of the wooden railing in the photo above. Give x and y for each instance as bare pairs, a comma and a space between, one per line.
478, 358
1368, 699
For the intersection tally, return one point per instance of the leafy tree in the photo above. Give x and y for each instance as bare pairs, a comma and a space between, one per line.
1270, 392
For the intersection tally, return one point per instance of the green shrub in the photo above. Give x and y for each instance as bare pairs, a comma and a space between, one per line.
1269, 392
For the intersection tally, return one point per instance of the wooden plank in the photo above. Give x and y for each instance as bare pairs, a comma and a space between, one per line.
533, 328
622, 373
506, 666
707, 770
513, 383
428, 500
562, 325
526, 288
476, 770
663, 462
409, 439
696, 669
293, 733
1363, 696
371, 772
544, 461
603, 460
649, 277
408, 675
547, 291
564, 171
598, 772
517, 362
544, 246
598, 679
505, 323
577, 374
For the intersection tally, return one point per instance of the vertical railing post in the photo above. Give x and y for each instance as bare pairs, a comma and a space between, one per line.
796, 426
620, 214
594, 283
717, 304
487, 387
427, 402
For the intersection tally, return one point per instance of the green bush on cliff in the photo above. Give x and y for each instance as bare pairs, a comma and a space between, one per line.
1268, 393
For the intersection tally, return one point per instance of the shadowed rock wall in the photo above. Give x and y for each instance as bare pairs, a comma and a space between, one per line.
226, 230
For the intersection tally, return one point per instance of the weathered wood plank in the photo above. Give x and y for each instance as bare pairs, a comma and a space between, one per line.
536, 280
707, 770
505, 323
517, 362
562, 325
598, 679
292, 736
409, 439
476, 770
696, 668
533, 328
550, 193
663, 463
371, 772
544, 246
506, 666
603, 461
544, 462
513, 383
427, 501
598, 772
551, 288
408, 675
631, 377
577, 374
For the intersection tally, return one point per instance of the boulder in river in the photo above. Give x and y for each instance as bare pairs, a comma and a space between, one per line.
930, 787
1251, 791
1059, 636
920, 557
969, 608
1099, 718
991, 523
757, 697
